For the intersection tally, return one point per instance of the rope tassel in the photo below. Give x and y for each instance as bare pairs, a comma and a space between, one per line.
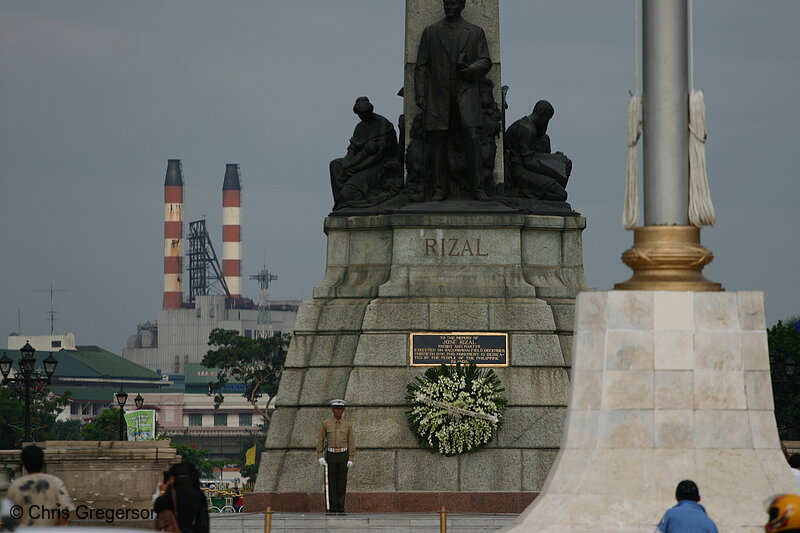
630, 213
701, 210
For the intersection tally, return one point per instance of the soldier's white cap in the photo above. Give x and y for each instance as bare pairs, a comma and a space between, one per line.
338, 403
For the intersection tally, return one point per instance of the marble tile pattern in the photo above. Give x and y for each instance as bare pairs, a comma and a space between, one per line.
666, 386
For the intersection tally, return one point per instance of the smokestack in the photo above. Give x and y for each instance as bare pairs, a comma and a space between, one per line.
232, 230
173, 235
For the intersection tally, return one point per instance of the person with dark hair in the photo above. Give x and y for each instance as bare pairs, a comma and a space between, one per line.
42, 492
794, 462
688, 516
182, 495
238, 500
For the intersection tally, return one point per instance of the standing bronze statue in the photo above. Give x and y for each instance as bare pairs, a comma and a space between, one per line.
535, 171
362, 177
452, 59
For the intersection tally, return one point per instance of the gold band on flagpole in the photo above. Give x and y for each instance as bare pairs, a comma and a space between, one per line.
667, 258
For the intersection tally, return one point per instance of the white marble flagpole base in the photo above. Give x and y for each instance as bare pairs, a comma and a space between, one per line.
665, 386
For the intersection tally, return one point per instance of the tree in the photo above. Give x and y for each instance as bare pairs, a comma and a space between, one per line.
259, 441
104, 427
256, 363
784, 357
64, 430
45, 407
199, 458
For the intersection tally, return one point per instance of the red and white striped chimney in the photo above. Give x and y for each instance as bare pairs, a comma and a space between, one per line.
232, 230
173, 235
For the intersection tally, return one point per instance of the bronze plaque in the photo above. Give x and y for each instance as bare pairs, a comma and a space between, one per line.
481, 348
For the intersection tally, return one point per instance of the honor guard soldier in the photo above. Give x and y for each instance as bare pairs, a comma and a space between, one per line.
336, 447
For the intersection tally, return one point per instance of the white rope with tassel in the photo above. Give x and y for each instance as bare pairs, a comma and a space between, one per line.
701, 210
630, 213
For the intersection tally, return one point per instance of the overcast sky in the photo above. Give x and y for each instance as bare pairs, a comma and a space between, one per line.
95, 96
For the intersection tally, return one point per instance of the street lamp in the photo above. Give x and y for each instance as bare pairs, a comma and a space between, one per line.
50, 364
122, 397
29, 377
5, 365
139, 401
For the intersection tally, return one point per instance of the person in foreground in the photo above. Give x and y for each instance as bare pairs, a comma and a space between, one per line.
336, 447
794, 463
182, 495
784, 514
688, 516
43, 498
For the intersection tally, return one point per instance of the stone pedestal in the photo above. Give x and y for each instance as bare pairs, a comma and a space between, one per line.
10, 468
666, 386
387, 276
110, 475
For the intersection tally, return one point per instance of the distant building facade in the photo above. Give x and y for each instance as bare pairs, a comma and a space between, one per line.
180, 336
189, 417
184, 410
42, 343
91, 374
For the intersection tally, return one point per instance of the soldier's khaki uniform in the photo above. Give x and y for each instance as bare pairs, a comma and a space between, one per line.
336, 442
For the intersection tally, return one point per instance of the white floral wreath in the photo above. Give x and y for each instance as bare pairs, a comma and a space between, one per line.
455, 409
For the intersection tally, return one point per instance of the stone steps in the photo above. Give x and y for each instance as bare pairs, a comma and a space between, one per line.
367, 522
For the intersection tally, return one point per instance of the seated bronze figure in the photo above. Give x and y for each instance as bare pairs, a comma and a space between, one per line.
536, 172
358, 179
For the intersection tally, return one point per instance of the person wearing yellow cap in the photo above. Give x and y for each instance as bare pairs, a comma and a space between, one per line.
336, 448
784, 514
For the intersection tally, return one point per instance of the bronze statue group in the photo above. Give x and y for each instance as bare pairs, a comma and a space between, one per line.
452, 145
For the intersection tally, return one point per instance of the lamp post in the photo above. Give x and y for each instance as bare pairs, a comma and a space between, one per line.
29, 377
139, 401
122, 397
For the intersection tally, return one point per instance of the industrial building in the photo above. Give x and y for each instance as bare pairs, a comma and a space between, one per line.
179, 337
174, 345
161, 361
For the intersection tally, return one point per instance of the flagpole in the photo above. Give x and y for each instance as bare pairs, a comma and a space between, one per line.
666, 113
666, 253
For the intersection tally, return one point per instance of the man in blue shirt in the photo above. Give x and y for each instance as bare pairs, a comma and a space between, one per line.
688, 516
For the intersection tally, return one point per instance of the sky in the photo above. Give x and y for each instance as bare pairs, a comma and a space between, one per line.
96, 96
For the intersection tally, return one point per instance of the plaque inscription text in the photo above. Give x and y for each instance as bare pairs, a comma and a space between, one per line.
481, 348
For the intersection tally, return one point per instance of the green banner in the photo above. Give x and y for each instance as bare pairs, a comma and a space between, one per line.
141, 424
